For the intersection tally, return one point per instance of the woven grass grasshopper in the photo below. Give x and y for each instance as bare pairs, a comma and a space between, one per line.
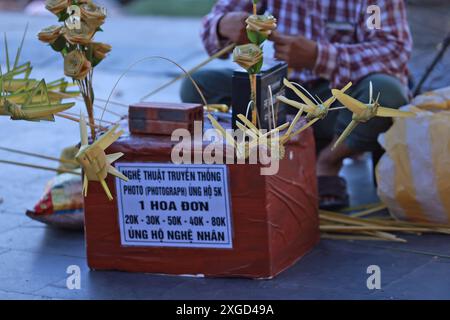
29, 99
364, 112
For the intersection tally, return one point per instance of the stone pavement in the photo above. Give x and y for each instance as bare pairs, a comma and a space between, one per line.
34, 258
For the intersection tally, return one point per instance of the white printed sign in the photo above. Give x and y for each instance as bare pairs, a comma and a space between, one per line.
167, 205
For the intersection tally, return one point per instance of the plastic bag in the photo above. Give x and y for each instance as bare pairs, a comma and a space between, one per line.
433, 100
413, 175
62, 203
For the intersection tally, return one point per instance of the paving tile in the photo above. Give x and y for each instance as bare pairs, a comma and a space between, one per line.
20, 296
244, 289
39, 238
425, 245
339, 265
114, 285
430, 281
27, 272
11, 221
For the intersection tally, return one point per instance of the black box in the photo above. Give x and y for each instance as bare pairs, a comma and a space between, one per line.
272, 73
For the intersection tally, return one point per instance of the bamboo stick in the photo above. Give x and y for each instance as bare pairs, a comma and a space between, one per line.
385, 235
65, 116
388, 223
121, 116
339, 228
360, 207
65, 95
350, 237
343, 220
253, 97
120, 104
77, 115
369, 211
31, 154
354, 227
409, 223
34, 166
194, 69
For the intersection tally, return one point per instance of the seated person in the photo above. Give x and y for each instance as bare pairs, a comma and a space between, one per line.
326, 44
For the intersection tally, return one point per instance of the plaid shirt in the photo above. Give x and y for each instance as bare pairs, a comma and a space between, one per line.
348, 50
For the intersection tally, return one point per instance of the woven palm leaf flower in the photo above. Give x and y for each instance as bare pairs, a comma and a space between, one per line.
263, 24
93, 15
76, 65
50, 34
247, 55
100, 50
81, 36
250, 56
75, 43
57, 6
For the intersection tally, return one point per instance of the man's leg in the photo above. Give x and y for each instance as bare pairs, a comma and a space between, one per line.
364, 138
215, 85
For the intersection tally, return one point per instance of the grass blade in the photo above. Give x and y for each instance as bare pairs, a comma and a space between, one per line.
19, 50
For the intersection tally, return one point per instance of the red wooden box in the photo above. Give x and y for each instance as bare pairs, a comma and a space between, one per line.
163, 118
274, 218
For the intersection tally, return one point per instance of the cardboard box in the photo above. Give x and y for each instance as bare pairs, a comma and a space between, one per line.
273, 219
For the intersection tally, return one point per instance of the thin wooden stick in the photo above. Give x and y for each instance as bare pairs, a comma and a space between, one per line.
363, 206
338, 228
435, 227
120, 104
77, 115
36, 155
205, 103
253, 97
350, 237
358, 228
34, 166
336, 108
390, 223
344, 220
368, 211
65, 116
433, 254
121, 116
194, 69
65, 95
385, 235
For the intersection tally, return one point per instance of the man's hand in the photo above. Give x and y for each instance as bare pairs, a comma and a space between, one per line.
232, 27
297, 51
